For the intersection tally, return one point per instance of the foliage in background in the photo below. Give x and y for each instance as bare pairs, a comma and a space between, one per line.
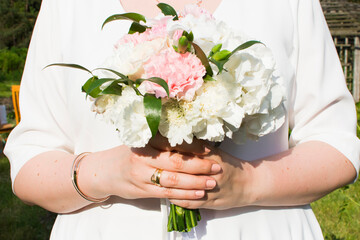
339, 212
11, 67
17, 19
17, 220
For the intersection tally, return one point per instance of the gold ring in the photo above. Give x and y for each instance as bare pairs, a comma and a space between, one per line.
155, 178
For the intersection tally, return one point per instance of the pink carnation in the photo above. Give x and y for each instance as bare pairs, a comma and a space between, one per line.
182, 72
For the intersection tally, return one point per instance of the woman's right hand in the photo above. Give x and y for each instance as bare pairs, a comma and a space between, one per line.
126, 172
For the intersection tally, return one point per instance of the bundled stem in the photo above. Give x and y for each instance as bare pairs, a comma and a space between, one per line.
182, 219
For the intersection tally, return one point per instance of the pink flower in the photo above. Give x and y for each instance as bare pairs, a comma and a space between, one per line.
158, 30
177, 34
196, 11
182, 72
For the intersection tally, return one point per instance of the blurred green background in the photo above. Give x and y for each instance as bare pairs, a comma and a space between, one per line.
338, 212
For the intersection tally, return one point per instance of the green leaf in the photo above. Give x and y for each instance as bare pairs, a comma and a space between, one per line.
204, 60
219, 64
122, 76
168, 10
245, 45
224, 55
85, 88
208, 78
156, 80
114, 88
152, 107
125, 16
95, 86
135, 89
137, 27
70, 65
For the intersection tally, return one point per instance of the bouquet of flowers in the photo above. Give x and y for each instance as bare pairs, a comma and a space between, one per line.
183, 77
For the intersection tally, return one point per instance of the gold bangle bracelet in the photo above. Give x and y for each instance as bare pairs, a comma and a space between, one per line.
74, 175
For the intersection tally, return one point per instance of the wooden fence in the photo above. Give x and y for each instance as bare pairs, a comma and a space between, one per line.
349, 52
343, 18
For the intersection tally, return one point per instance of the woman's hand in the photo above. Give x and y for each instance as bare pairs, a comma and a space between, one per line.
126, 173
233, 181
297, 176
234, 184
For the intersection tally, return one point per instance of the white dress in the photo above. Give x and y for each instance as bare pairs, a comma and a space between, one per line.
56, 116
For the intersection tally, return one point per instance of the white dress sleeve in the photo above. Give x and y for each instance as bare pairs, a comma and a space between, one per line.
45, 123
321, 107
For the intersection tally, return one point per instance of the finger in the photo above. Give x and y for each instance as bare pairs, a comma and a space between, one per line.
176, 162
189, 203
162, 192
197, 147
186, 181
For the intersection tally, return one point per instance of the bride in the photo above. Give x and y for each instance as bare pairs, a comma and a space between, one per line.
258, 190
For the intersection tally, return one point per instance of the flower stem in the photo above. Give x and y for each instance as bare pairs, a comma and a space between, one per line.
182, 219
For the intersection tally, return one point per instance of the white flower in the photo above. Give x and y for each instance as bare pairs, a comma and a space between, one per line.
215, 106
245, 100
103, 103
129, 59
128, 116
173, 124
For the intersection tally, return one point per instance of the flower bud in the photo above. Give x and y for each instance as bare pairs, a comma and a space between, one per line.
216, 48
222, 55
190, 36
183, 44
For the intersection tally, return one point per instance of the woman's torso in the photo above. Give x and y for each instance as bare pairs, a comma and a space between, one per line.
83, 42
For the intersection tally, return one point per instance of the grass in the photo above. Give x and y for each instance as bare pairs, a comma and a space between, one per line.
5, 87
17, 220
338, 213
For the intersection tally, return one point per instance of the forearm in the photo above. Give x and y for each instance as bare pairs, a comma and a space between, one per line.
45, 180
300, 175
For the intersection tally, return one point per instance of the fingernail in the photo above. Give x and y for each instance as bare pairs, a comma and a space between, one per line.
206, 149
215, 168
210, 183
200, 193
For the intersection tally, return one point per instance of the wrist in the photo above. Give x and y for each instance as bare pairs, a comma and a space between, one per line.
254, 182
89, 177
259, 184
